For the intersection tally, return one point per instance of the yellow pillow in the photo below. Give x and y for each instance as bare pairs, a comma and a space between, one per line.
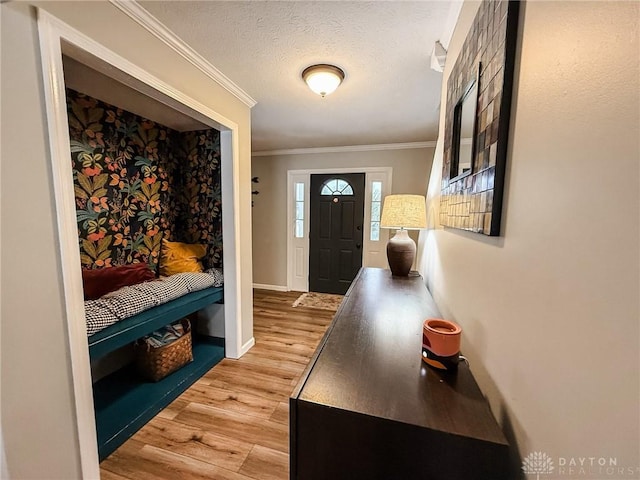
177, 257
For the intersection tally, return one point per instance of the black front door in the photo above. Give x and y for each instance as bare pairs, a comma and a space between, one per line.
335, 231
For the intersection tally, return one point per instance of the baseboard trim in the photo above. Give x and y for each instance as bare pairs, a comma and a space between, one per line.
264, 286
247, 346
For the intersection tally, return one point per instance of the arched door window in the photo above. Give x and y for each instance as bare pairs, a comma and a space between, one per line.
336, 186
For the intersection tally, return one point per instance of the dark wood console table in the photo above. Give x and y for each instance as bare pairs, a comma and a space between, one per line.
367, 407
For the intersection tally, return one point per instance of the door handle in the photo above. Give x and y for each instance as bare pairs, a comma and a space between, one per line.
358, 245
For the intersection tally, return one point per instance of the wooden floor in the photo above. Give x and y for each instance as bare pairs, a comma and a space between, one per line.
233, 423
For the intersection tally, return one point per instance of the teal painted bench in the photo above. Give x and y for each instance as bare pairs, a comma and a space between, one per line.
132, 328
123, 402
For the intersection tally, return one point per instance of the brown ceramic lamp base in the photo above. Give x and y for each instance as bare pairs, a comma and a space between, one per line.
401, 251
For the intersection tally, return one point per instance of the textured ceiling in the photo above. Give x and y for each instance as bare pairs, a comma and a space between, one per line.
389, 95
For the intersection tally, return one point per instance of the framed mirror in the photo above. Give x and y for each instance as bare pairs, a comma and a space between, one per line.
476, 133
464, 131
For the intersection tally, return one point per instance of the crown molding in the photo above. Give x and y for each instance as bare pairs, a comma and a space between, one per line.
142, 17
344, 149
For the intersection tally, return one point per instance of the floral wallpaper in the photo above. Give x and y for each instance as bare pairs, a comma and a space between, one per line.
137, 181
198, 208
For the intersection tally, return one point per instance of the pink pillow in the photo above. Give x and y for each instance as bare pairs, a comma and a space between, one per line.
97, 283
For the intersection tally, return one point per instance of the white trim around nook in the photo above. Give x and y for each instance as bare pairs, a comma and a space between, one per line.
53, 34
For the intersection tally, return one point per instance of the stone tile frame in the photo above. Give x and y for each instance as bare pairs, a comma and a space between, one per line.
474, 202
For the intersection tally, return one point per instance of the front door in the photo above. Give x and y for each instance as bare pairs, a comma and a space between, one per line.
335, 231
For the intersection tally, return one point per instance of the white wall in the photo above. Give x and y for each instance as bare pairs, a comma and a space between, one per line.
37, 404
38, 423
549, 310
410, 175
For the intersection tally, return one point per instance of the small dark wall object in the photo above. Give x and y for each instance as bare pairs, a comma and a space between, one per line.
471, 196
254, 192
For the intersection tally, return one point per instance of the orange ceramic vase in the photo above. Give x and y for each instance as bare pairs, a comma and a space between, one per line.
441, 343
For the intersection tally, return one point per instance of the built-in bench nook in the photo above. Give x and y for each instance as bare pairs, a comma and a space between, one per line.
140, 186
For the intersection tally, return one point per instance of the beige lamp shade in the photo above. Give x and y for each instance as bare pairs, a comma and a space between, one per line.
404, 211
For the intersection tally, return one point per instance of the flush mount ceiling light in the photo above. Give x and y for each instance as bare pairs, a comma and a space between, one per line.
323, 79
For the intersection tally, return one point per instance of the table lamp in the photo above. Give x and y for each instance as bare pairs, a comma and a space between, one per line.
403, 212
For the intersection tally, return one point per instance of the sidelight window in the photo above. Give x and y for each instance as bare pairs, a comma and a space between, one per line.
299, 227
376, 208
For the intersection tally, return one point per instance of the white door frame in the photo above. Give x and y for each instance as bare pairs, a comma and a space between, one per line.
298, 249
53, 33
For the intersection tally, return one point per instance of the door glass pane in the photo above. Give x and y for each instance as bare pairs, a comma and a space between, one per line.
299, 228
336, 186
299, 192
299, 210
344, 188
376, 191
375, 231
375, 211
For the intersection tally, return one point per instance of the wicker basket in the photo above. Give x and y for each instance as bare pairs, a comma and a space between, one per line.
156, 363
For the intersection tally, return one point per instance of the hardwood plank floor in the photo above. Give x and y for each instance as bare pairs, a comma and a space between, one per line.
233, 423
